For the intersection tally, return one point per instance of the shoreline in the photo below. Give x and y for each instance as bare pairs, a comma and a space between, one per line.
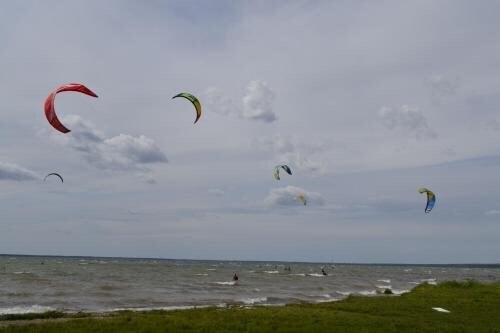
472, 306
36, 309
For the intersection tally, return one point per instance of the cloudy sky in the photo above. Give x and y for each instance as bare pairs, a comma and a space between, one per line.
365, 100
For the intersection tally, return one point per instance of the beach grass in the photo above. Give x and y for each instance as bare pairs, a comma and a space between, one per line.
473, 306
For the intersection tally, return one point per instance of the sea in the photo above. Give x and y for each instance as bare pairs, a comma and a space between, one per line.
31, 284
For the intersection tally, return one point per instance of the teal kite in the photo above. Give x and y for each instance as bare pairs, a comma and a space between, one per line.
431, 198
276, 171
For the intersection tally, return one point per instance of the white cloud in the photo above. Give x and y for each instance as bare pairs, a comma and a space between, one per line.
121, 152
407, 118
258, 102
288, 196
493, 212
10, 171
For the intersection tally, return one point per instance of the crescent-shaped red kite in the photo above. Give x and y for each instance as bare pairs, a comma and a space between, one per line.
50, 111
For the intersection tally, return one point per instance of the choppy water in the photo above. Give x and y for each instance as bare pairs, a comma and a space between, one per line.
37, 284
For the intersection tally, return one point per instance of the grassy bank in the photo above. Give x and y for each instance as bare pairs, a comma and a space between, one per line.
473, 307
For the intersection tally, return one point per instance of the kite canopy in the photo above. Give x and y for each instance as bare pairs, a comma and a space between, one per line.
193, 100
50, 111
54, 174
303, 199
276, 171
431, 198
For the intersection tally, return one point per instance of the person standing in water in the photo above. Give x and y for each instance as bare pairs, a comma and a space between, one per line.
235, 277
323, 271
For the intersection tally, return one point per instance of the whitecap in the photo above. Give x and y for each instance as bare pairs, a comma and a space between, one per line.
251, 301
26, 309
400, 292
429, 281
226, 283
384, 280
164, 308
271, 272
384, 287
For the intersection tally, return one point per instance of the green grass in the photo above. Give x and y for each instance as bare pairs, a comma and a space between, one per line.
474, 307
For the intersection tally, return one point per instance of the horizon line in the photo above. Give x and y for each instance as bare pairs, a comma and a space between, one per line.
477, 264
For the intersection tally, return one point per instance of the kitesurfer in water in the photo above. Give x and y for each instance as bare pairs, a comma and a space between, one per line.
323, 271
235, 277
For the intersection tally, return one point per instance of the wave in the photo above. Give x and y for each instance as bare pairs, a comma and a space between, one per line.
298, 274
252, 301
384, 286
201, 274
429, 281
326, 298
400, 292
227, 283
164, 308
26, 309
271, 272
367, 292
384, 280
315, 275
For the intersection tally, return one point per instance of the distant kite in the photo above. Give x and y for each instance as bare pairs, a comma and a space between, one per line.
276, 171
50, 111
431, 198
303, 199
193, 100
54, 174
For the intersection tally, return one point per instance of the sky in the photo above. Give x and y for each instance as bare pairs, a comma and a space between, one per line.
366, 101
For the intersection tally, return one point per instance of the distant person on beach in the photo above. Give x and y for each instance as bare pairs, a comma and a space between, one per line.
235, 277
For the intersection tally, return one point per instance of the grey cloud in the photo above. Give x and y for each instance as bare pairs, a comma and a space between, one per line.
9, 171
493, 212
300, 156
492, 124
217, 102
407, 118
300, 162
441, 87
121, 152
287, 196
216, 192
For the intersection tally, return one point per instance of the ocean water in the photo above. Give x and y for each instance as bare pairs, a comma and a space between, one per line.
70, 284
